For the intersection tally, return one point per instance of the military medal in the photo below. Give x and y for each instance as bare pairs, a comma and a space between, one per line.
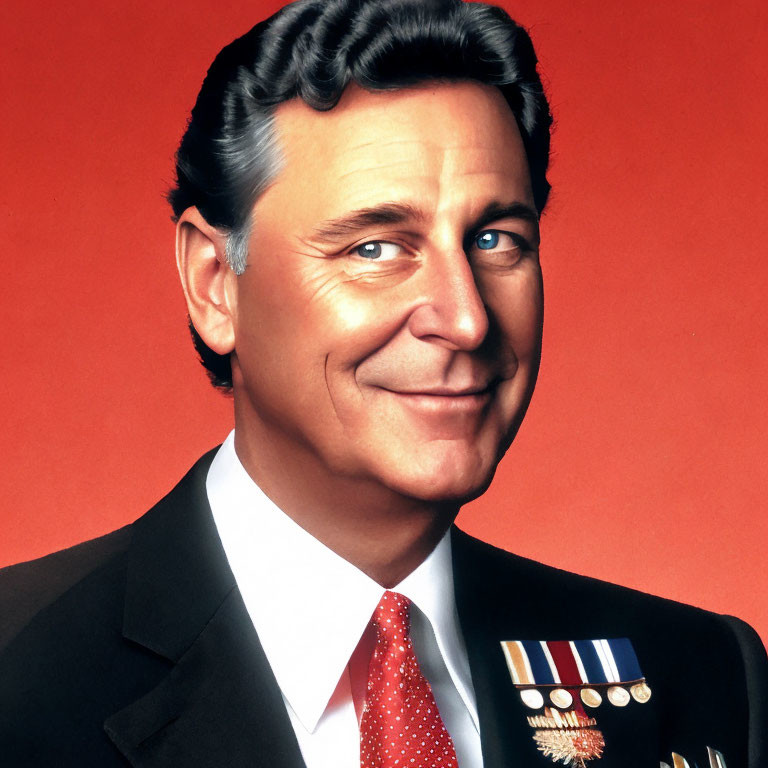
532, 698
640, 692
561, 698
716, 760
569, 736
591, 697
559, 678
618, 696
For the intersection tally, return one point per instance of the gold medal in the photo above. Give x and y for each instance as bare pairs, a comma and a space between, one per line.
532, 698
618, 696
640, 692
548, 674
591, 697
561, 698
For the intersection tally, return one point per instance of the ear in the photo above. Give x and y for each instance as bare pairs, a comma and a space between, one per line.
207, 280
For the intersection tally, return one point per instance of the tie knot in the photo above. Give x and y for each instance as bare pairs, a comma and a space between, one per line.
391, 617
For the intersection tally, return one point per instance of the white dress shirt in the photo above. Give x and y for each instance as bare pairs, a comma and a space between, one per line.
311, 610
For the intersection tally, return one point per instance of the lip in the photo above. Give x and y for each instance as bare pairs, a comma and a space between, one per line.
468, 390
446, 399
445, 392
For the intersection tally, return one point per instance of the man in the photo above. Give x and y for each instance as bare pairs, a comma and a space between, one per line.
357, 206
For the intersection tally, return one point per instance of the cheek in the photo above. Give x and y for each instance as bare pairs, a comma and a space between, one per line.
355, 320
270, 345
313, 321
518, 309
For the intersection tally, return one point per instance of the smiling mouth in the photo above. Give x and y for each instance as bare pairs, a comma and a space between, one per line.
443, 399
472, 390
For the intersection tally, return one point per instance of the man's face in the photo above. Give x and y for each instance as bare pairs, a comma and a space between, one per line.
389, 321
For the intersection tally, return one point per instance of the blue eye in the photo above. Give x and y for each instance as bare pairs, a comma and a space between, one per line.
487, 240
497, 249
378, 250
369, 250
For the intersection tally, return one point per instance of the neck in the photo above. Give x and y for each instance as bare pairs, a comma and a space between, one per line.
383, 533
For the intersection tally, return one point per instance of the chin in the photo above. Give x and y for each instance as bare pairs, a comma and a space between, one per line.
453, 476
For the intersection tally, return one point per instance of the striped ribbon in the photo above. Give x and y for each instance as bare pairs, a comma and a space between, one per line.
571, 663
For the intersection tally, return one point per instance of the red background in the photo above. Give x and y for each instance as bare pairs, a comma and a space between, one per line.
643, 457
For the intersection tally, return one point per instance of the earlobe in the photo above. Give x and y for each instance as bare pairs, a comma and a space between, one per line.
207, 280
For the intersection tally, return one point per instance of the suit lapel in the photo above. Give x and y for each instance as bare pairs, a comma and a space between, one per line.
219, 704
504, 733
503, 597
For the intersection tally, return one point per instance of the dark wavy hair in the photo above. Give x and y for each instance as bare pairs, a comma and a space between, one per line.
313, 49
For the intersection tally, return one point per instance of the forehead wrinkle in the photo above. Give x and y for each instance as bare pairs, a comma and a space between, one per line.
382, 144
419, 144
379, 155
378, 167
418, 191
477, 160
502, 171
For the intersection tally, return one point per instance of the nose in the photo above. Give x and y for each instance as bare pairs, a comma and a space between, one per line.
452, 312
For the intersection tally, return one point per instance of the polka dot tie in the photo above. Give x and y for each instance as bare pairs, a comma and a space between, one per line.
400, 725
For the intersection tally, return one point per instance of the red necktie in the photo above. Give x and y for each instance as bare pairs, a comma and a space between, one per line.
400, 725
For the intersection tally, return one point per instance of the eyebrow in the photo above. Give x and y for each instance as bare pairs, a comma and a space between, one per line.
353, 222
496, 210
397, 213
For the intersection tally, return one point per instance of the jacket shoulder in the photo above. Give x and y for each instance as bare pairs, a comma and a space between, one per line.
67, 662
689, 655
29, 587
549, 584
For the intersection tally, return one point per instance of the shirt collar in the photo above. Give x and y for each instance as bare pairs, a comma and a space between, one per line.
430, 588
310, 606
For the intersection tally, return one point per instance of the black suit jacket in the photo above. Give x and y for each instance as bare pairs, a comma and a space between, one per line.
136, 649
